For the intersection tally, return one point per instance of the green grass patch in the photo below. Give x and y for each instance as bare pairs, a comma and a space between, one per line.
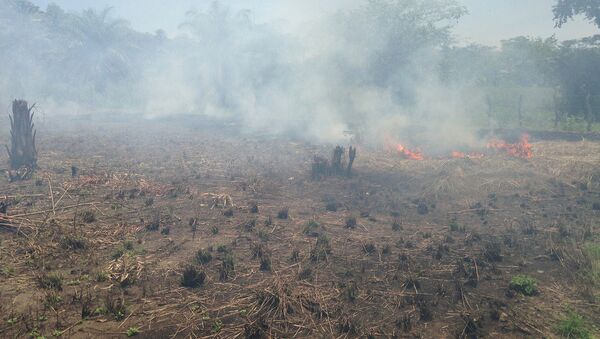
573, 326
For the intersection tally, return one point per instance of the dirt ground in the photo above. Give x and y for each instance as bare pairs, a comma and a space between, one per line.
404, 249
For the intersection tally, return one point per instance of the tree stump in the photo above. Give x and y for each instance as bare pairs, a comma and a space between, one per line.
22, 152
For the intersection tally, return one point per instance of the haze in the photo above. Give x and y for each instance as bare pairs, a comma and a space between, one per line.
488, 22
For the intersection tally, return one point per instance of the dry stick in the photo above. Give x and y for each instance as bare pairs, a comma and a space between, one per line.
48, 211
5, 197
51, 195
62, 196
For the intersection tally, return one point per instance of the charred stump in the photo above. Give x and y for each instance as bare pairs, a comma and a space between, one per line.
22, 152
322, 168
351, 157
337, 160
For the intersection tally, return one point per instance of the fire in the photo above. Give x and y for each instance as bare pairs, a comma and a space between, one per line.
409, 154
522, 149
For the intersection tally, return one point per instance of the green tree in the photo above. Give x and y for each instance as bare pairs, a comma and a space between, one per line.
565, 10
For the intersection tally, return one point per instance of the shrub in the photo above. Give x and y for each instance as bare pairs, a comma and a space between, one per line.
524, 284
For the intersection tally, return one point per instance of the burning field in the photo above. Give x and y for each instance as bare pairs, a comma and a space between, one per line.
182, 232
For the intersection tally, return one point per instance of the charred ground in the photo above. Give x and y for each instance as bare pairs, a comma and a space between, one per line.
161, 230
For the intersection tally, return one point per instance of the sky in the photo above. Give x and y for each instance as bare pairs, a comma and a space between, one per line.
488, 21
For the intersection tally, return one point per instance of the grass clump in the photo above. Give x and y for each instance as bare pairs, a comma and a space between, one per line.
50, 282
284, 213
573, 326
265, 263
192, 277
321, 250
351, 223
312, 229
227, 268
88, 217
203, 256
72, 243
524, 284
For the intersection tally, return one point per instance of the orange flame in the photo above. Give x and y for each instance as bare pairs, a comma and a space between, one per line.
522, 149
409, 154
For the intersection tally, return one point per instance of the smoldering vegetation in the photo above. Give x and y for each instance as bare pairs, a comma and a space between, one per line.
366, 68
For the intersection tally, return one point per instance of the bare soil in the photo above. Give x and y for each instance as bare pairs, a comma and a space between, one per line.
431, 254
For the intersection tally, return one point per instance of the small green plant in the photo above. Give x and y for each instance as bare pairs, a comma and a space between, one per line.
57, 333
223, 249
35, 334
524, 284
573, 326
100, 311
101, 276
203, 257
133, 331
396, 226
53, 299
217, 326
12, 321
7, 271
192, 277
214, 230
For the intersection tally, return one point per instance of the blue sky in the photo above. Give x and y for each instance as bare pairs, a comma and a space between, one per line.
488, 22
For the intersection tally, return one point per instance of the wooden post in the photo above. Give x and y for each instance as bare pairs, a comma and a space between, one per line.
22, 152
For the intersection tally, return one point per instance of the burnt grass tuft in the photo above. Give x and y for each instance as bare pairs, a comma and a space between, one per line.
192, 277
284, 213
